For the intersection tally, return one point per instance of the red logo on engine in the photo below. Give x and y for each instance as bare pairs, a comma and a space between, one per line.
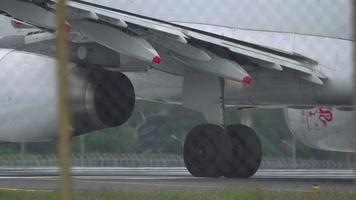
323, 115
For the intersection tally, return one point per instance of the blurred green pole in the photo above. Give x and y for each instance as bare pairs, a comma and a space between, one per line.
64, 115
354, 98
294, 151
82, 150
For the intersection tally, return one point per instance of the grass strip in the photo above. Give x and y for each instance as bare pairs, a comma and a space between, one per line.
228, 194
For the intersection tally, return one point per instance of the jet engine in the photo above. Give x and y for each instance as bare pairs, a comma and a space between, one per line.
322, 128
99, 98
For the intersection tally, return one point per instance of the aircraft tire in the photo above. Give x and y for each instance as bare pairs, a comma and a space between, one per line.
207, 151
247, 152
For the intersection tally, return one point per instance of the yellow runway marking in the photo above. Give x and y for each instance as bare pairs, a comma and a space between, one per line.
29, 190
78, 180
113, 183
23, 190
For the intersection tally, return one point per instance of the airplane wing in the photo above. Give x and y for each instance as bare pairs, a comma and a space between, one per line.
135, 35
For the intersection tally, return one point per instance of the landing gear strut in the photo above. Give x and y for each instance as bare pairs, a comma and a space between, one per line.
212, 151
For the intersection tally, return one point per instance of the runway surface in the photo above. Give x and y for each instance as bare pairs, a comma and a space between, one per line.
163, 179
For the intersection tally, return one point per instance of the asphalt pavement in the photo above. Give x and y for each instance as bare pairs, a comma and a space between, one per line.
173, 179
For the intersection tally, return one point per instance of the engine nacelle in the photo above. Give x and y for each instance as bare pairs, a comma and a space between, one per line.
99, 99
322, 128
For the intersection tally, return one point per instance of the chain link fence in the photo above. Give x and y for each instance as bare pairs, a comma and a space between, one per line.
157, 160
293, 55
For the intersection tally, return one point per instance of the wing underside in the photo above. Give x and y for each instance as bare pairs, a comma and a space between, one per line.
144, 38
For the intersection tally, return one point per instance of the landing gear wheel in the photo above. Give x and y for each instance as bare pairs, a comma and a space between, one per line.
207, 151
247, 151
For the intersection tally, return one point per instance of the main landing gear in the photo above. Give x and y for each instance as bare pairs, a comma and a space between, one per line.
213, 151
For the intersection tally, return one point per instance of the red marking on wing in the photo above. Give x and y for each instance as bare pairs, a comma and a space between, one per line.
68, 27
247, 80
17, 24
156, 60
